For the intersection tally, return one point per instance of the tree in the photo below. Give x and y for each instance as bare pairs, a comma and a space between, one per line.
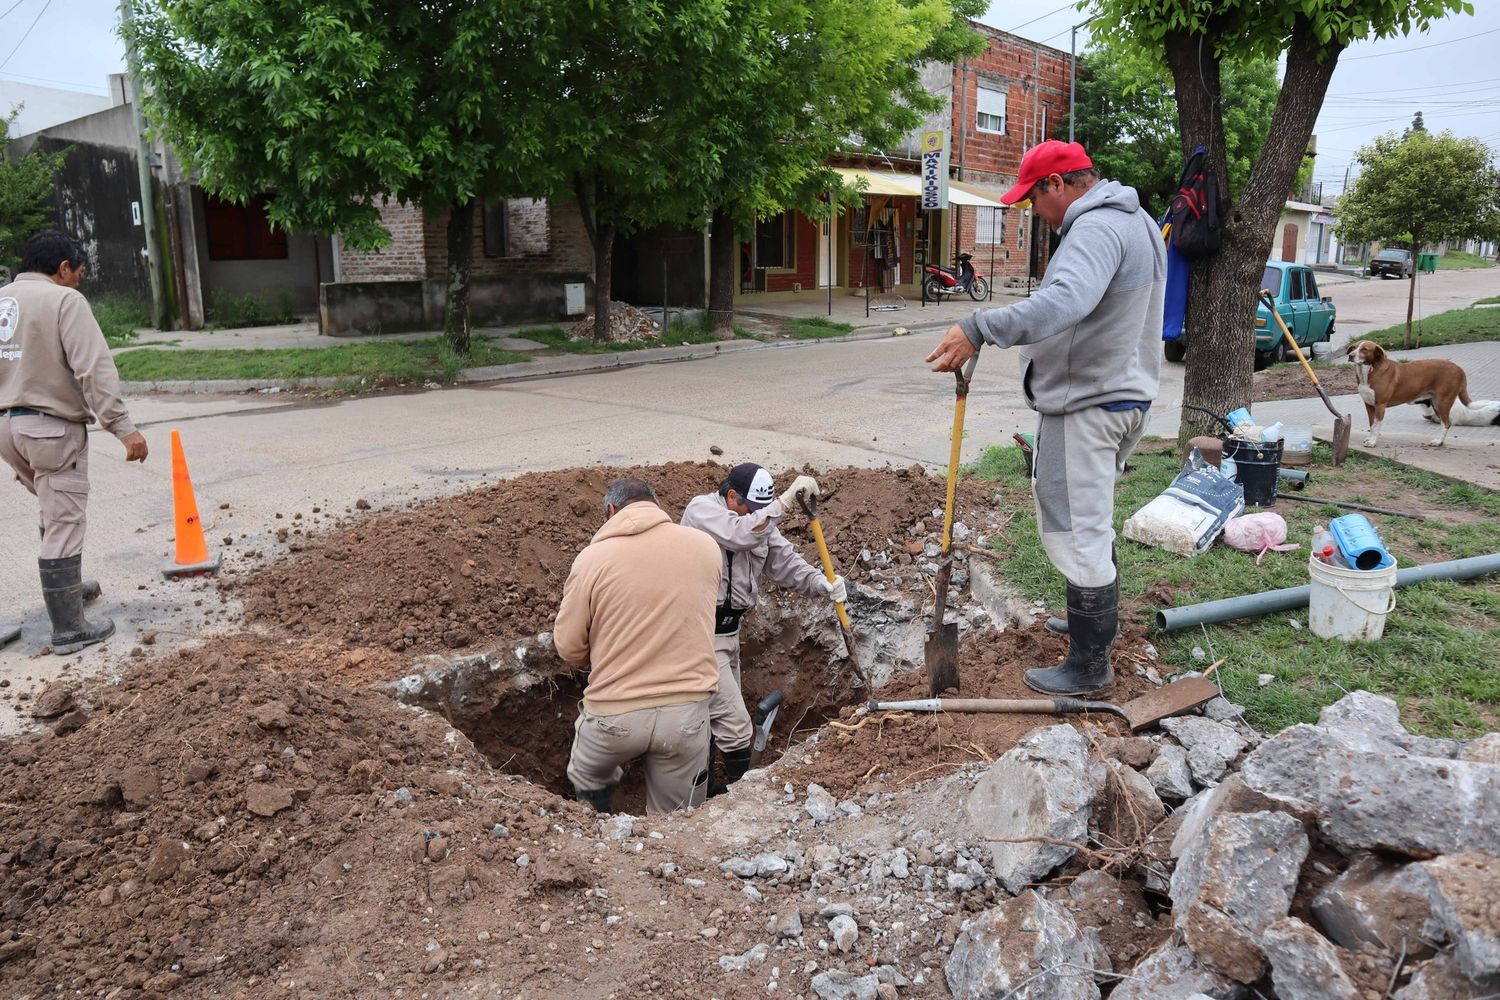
1417, 124
1127, 118
334, 105
25, 186
1195, 39
1421, 188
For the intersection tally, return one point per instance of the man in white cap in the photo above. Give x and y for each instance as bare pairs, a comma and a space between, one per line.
741, 517
1090, 339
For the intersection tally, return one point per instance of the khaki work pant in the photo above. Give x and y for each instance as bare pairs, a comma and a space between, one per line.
673, 739
729, 719
51, 459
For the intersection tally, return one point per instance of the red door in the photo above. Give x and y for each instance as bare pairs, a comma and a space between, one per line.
1289, 244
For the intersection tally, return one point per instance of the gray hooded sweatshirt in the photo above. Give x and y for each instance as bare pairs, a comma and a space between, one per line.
1091, 333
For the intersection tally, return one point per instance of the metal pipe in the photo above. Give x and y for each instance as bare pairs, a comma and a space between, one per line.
1351, 505
1289, 598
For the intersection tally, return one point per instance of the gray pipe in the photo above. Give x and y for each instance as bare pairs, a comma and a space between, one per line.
1289, 598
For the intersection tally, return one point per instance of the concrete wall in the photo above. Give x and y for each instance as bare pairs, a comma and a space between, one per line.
295, 278
372, 307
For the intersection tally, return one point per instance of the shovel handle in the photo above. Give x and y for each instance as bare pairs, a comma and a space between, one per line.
827, 561
1270, 303
959, 405
1028, 706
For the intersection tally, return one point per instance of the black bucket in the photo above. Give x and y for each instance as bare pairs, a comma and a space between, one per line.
1256, 464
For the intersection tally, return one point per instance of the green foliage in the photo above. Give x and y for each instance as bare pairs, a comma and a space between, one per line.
380, 362
25, 186
1434, 187
119, 317
816, 328
227, 310
1459, 260
1127, 119
1456, 326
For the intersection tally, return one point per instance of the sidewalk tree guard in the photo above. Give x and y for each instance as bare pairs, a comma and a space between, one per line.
1194, 39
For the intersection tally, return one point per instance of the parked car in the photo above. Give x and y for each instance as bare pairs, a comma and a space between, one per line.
1309, 316
1391, 263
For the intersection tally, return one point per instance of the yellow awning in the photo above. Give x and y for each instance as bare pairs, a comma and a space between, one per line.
881, 182
963, 193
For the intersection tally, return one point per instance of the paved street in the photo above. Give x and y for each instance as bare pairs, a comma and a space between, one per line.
863, 403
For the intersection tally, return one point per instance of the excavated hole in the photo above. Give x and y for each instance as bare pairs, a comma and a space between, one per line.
528, 730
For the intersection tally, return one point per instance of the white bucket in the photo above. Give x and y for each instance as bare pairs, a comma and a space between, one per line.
1322, 350
1349, 603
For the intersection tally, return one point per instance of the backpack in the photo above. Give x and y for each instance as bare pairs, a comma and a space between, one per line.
1195, 209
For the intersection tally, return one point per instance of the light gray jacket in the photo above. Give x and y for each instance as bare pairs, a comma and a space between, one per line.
1091, 332
753, 550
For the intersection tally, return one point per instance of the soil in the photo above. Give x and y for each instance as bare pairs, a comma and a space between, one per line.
1289, 381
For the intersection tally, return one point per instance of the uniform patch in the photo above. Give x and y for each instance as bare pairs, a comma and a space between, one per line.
10, 319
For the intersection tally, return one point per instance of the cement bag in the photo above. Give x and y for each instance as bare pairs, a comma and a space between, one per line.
1189, 514
1261, 532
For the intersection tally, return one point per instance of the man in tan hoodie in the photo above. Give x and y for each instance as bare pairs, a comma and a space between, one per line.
638, 614
56, 378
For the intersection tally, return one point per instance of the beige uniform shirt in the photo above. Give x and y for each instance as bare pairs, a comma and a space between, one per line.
53, 357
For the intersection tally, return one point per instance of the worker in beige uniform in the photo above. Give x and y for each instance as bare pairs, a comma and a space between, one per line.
57, 377
741, 517
638, 613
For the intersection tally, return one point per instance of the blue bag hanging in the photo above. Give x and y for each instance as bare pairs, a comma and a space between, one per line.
1174, 312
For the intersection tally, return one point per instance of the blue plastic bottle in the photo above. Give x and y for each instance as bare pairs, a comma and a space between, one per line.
1359, 543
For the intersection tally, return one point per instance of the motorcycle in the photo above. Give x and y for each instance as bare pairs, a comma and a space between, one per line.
941, 281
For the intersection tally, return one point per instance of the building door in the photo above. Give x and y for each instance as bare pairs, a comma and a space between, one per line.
1289, 243
828, 240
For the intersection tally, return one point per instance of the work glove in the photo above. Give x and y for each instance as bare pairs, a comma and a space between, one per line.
837, 592
801, 483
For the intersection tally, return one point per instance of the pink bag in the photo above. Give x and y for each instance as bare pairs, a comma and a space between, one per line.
1259, 533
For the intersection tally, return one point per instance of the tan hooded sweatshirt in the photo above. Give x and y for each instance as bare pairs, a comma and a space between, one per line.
638, 611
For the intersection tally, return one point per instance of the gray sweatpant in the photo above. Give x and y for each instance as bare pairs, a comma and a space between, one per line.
673, 740
729, 719
1078, 458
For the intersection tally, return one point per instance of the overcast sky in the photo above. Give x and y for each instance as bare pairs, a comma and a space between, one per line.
1376, 88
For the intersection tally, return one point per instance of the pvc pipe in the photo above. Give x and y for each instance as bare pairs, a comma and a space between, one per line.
1289, 598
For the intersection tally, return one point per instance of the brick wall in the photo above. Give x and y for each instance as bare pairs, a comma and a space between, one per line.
1034, 79
556, 227
403, 260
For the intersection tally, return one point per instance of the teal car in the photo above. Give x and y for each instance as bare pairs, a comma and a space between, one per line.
1308, 315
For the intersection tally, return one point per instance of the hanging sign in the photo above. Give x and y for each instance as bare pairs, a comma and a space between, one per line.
934, 170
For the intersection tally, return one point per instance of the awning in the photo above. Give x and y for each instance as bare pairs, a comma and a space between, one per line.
881, 182
963, 193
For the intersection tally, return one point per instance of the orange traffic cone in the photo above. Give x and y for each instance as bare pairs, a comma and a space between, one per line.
192, 551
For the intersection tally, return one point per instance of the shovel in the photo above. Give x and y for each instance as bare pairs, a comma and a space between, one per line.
765, 717
810, 508
1342, 424
942, 642
1139, 713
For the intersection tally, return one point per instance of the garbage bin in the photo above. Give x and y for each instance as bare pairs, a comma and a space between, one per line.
1427, 263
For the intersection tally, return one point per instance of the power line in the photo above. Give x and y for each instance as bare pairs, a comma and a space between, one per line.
1418, 48
26, 35
11, 8
1034, 20
1433, 86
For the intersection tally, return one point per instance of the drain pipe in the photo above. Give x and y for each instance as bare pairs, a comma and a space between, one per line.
1290, 598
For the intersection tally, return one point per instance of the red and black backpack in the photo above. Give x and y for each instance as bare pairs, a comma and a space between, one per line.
1195, 209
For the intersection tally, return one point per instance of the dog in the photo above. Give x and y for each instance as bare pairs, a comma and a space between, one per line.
1481, 413
1384, 382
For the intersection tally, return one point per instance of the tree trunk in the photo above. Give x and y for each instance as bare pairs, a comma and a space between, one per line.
721, 266
1222, 289
456, 325
1411, 289
604, 253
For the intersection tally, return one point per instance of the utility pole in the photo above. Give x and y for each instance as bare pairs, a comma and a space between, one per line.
143, 163
1073, 70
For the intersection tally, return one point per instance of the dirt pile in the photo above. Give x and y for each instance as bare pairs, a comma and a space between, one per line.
487, 567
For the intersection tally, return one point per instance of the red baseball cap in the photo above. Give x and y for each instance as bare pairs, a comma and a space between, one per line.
1043, 160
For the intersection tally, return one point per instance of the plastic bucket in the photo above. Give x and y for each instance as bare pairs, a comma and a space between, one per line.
1322, 350
1296, 446
1255, 464
1349, 604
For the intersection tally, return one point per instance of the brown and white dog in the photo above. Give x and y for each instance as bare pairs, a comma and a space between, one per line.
1384, 382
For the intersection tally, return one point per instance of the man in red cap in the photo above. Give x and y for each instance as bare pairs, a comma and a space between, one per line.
1090, 366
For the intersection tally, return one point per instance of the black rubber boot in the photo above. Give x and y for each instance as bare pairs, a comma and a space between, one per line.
715, 786
91, 588
1093, 623
62, 590
602, 799
1059, 626
736, 763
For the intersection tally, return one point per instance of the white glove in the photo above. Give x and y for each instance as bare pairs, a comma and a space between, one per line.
837, 592
800, 484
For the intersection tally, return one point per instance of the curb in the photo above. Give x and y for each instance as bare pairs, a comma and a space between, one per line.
525, 371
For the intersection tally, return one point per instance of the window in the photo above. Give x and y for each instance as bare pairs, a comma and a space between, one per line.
773, 241
989, 226
1271, 281
515, 227
1311, 286
241, 232
1295, 293
991, 110
492, 219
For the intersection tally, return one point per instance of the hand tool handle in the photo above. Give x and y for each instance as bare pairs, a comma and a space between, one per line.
1270, 304
1037, 706
810, 508
959, 405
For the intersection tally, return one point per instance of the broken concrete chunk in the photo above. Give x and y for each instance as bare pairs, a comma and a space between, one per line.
1172, 972
1233, 880
1026, 948
1038, 788
1129, 808
1379, 800
843, 932
820, 805
1304, 964
1210, 745
786, 922
739, 963
1372, 720
1132, 750
1485, 750
845, 986
1441, 978
1169, 773
1464, 890
1232, 796
1380, 903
